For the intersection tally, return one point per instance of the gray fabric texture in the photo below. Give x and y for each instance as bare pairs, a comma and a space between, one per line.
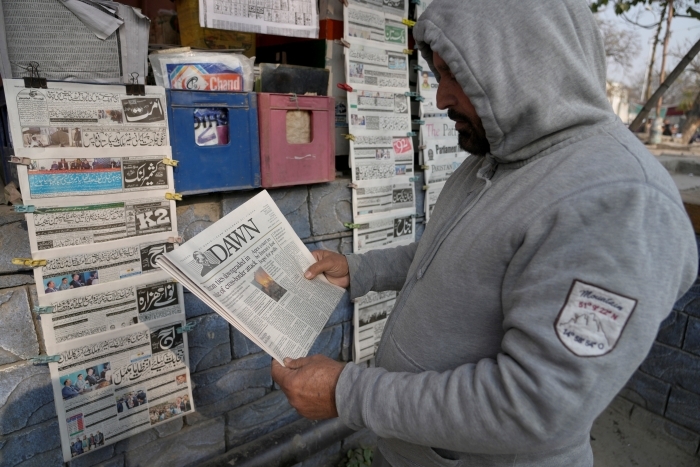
470, 370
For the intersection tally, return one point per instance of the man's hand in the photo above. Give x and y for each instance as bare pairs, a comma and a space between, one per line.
333, 265
309, 384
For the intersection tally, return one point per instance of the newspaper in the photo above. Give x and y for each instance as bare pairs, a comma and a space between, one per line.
112, 386
97, 264
376, 69
388, 232
371, 314
427, 88
296, 18
87, 311
382, 172
431, 197
249, 268
84, 117
379, 113
68, 224
441, 157
366, 26
396, 8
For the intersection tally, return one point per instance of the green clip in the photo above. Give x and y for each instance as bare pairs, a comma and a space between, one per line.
411, 133
417, 67
23, 208
410, 94
43, 310
413, 179
42, 359
418, 122
351, 226
189, 326
420, 98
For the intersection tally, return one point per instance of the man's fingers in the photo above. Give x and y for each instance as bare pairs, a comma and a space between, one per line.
278, 372
323, 265
295, 364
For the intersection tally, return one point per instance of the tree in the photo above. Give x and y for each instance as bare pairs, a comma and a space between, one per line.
621, 45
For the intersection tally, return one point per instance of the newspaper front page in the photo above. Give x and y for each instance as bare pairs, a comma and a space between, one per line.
431, 197
388, 232
249, 267
427, 88
371, 314
109, 387
86, 311
441, 157
375, 68
366, 26
296, 18
379, 113
395, 8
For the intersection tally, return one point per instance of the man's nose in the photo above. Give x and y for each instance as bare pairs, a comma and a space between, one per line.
444, 99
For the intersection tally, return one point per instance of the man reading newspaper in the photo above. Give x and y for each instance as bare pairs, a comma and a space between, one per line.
551, 257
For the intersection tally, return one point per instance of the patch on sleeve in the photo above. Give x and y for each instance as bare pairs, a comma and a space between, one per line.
592, 319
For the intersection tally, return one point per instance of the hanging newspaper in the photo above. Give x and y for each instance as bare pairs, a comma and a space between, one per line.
431, 197
112, 386
374, 113
366, 26
97, 264
249, 267
371, 314
377, 69
389, 232
382, 172
427, 88
86, 311
296, 18
68, 224
396, 8
441, 157
83, 117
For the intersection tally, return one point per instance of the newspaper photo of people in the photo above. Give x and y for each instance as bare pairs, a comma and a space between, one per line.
172, 408
267, 284
131, 400
87, 442
86, 380
51, 137
71, 281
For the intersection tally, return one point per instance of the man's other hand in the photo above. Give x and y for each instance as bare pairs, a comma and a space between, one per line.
309, 384
333, 265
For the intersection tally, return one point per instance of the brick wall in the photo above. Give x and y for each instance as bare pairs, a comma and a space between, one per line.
235, 397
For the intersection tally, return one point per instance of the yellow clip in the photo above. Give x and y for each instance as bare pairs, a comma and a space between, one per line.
173, 196
408, 51
350, 137
408, 22
28, 262
170, 162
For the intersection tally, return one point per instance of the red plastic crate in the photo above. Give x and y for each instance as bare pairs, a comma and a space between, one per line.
283, 163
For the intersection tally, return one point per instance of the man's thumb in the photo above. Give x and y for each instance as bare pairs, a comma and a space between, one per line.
293, 364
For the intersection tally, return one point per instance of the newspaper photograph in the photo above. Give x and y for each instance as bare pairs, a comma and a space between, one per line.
97, 264
110, 387
389, 232
366, 26
382, 170
431, 197
295, 18
427, 88
68, 225
249, 267
85, 116
374, 113
441, 157
87, 311
396, 8
50, 178
369, 319
376, 68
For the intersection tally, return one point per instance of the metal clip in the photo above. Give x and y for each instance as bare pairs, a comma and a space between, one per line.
175, 240
345, 43
187, 327
418, 122
33, 80
408, 22
411, 133
21, 161
173, 196
351, 226
23, 208
417, 67
43, 310
43, 359
170, 162
352, 185
345, 87
350, 137
134, 88
32, 263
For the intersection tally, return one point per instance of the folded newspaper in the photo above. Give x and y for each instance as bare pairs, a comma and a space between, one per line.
249, 268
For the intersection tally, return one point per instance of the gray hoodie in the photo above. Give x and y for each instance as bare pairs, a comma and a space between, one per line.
540, 282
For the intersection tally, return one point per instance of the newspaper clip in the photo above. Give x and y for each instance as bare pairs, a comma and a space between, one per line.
420, 99
411, 133
177, 240
424, 167
408, 51
417, 67
415, 2
44, 359
345, 87
351, 226
187, 327
349, 137
422, 147
24, 209
418, 122
413, 179
32, 263
344, 2
43, 310
426, 187
134, 88
408, 22
21, 161
345, 43
170, 162
352, 185
33, 80
173, 196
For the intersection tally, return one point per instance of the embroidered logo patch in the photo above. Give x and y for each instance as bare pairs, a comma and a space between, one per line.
592, 319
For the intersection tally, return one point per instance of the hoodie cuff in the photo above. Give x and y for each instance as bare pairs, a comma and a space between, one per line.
361, 276
348, 397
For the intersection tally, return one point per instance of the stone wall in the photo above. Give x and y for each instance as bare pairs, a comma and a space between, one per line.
235, 397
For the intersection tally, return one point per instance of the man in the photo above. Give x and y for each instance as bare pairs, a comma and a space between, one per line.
81, 384
551, 257
69, 391
91, 378
50, 287
76, 282
64, 284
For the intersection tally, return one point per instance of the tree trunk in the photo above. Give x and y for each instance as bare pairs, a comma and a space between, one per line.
657, 39
692, 121
664, 55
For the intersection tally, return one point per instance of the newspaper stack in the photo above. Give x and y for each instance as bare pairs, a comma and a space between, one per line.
381, 147
92, 41
97, 191
249, 268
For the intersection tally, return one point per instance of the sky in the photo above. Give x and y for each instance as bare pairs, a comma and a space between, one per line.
683, 31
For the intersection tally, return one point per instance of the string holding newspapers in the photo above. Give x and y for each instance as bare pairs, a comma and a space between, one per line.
249, 268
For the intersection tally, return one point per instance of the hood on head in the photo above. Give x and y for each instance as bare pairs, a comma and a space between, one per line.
533, 69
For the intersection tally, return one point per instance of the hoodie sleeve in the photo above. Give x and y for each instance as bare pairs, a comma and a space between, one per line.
380, 270
545, 387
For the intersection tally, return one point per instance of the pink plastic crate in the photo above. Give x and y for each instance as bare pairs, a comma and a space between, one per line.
285, 163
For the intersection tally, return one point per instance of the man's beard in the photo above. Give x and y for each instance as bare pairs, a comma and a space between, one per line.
472, 139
